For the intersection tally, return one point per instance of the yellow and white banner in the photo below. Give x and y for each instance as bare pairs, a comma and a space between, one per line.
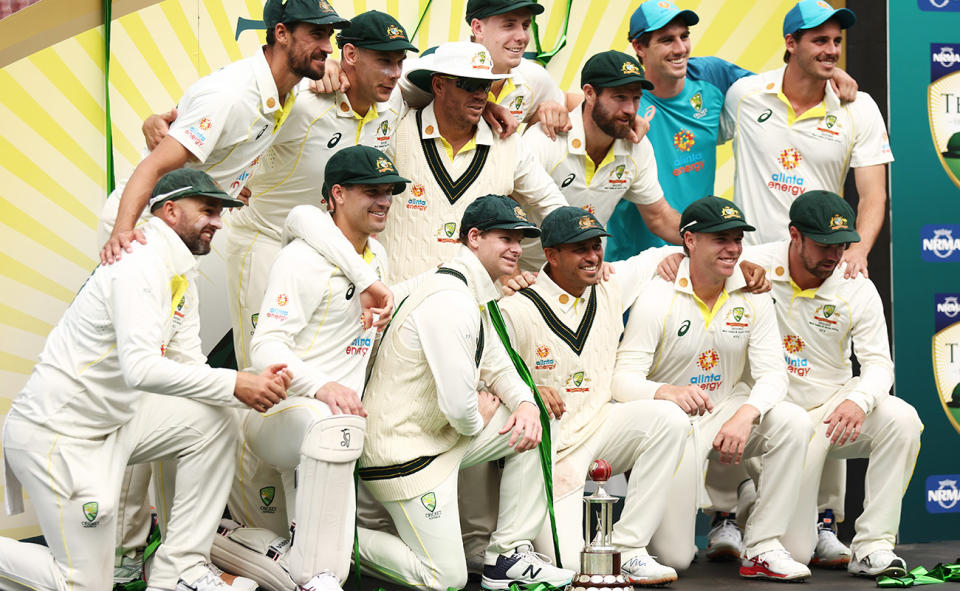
52, 118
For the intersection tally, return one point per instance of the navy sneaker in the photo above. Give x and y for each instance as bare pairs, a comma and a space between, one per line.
523, 567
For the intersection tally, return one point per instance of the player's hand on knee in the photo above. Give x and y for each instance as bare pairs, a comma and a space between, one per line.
157, 126
668, 267
500, 120
118, 243
845, 422
524, 423
259, 391
552, 400
731, 439
511, 284
691, 399
377, 306
340, 399
756, 277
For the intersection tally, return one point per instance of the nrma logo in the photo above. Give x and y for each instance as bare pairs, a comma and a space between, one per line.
942, 494
939, 5
947, 309
940, 243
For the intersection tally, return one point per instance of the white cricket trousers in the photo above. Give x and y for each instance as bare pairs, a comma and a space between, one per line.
646, 436
890, 437
429, 550
75, 487
779, 441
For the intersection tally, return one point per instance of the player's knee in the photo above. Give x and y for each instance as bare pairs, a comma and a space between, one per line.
675, 420
906, 422
676, 557
337, 438
789, 422
448, 574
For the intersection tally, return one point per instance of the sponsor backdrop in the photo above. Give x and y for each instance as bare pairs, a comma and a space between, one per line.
925, 212
52, 131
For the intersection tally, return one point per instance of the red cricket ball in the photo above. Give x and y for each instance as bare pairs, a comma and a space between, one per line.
600, 471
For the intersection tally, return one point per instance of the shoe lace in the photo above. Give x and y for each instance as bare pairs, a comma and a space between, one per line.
534, 556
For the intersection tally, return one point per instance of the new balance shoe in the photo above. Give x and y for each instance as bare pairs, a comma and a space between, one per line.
724, 542
325, 581
875, 564
830, 551
524, 567
641, 569
775, 565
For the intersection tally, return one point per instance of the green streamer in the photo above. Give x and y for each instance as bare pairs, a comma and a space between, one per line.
545, 447
423, 15
107, 18
542, 56
942, 573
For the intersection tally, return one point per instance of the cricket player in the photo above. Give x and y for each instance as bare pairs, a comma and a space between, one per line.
122, 380
566, 327
688, 341
792, 134
594, 164
821, 314
309, 320
426, 420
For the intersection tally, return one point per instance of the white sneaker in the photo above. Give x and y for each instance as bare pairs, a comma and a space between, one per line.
830, 552
524, 566
210, 580
641, 569
875, 564
776, 565
725, 541
325, 581
235, 582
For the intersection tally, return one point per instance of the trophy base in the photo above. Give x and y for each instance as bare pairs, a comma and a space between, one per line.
588, 582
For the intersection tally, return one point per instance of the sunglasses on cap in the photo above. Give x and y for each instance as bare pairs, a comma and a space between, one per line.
471, 84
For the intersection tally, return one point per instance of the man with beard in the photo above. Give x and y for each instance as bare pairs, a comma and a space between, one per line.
594, 164
792, 134
821, 314
122, 380
227, 119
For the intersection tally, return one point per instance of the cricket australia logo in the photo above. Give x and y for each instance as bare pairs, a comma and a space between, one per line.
828, 310
830, 121
696, 101
577, 382
267, 495
447, 232
429, 502
90, 512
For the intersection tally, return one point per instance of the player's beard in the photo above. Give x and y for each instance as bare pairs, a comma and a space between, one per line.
607, 123
300, 65
195, 242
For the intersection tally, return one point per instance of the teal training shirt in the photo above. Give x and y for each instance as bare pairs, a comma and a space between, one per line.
684, 137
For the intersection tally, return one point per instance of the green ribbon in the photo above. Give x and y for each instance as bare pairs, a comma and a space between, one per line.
108, 125
545, 447
544, 56
942, 573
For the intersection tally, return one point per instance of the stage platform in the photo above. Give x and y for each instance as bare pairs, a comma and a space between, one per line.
723, 576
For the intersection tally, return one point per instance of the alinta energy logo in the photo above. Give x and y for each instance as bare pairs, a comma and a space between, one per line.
687, 161
708, 360
792, 346
788, 159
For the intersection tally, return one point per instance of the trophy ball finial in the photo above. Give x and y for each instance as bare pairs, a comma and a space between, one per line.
600, 471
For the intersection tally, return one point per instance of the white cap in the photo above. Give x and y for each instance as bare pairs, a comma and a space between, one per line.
463, 59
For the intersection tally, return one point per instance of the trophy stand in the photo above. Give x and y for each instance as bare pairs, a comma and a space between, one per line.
599, 560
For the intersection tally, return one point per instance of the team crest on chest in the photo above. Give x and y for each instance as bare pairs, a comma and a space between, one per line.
447, 232
826, 318
577, 382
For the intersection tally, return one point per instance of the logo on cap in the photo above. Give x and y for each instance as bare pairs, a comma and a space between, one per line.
683, 140
838, 222
630, 68
790, 158
586, 222
522, 215
479, 61
394, 32
792, 343
663, 4
325, 6
823, 4
728, 212
384, 165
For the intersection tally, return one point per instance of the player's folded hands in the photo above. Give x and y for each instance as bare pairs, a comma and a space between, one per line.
261, 391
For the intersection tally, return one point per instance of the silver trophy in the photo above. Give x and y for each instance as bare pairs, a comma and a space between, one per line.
599, 560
